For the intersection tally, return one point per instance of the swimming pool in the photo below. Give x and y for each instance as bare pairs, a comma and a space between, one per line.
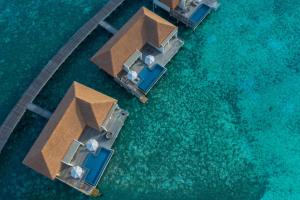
148, 77
200, 14
96, 164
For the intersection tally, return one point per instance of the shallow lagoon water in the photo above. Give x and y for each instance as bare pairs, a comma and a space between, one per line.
223, 123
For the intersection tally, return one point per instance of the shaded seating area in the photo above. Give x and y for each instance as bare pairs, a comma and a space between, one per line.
71, 152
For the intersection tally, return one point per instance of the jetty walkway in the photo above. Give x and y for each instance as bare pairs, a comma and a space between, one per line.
25, 102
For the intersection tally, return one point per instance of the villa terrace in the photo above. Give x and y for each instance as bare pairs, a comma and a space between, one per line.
189, 12
136, 56
75, 145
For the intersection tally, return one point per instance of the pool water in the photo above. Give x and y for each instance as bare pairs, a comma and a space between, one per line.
148, 77
223, 123
200, 14
95, 164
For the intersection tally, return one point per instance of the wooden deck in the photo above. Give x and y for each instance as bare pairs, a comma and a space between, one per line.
52, 66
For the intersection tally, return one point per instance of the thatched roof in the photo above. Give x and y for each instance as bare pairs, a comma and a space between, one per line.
144, 27
80, 107
171, 3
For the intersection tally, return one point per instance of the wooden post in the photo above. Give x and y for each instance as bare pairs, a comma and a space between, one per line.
96, 193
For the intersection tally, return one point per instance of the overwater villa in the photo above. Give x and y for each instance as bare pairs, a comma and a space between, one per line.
189, 12
75, 145
137, 54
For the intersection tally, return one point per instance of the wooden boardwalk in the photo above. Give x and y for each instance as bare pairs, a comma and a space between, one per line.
52, 66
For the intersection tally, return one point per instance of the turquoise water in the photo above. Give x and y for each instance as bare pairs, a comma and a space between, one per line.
223, 123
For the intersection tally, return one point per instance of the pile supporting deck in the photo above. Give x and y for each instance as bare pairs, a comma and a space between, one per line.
49, 70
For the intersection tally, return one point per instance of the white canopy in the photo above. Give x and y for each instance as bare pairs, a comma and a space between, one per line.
149, 60
132, 75
76, 172
92, 145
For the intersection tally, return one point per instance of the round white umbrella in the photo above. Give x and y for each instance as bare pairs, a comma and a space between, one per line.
76, 172
149, 60
132, 75
92, 145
